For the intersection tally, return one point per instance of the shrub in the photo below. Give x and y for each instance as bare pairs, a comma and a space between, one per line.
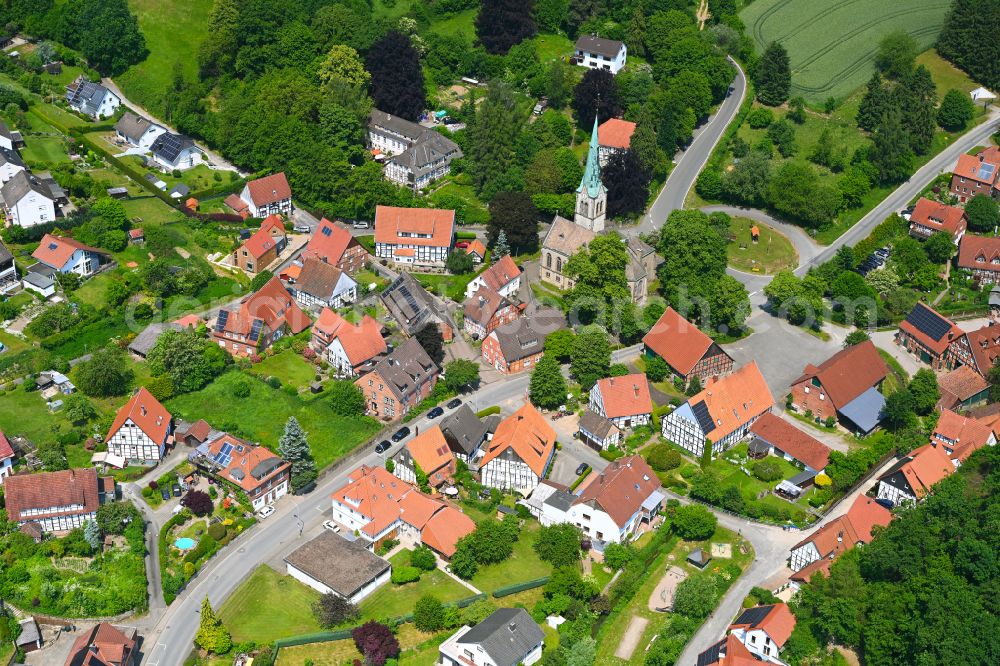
423, 558
760, 118
240, 389
766, 470
663, 457
617, 556
376, 642
694, 522
332, 609
428, 614
217, 531
199, 502
404, 575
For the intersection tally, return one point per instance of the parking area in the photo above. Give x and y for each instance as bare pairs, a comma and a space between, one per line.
573, 454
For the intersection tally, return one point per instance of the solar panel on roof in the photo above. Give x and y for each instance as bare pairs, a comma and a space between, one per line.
220, 324
326, 231
52, 246
986, 171
700, 410
928, 322
255, 329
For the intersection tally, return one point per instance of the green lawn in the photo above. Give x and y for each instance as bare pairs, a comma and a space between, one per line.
522, 565
397, 600
469, 208
57, 117
263, 414
460, 23
196, 178
446, 285
93, 290
174, 30
832, 47
946, 76
41, 150
288, 605
287, 366
773, 251
26, 414
419, 649
150, 210
13, 343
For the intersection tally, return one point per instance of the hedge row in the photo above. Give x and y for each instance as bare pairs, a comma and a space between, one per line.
317, 637
489, 411
520, 587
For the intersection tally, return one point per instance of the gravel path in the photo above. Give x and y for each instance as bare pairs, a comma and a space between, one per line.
630, 641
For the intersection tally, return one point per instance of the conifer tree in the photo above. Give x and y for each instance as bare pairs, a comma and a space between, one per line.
212, 635
773, 75
294, 448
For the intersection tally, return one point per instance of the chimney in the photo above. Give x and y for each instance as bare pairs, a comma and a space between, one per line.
635, 390
142, 409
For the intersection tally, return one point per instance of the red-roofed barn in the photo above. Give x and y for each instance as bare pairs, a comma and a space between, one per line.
688, 351
268, 195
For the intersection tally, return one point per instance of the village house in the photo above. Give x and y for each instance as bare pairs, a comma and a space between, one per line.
962, 389
562, 241
485, 310
7, 457
331, 564
336, 246
784, 440
417, 155
8, 139
912, 478
594, 52
614, 136
321, 285
66, 255
137, 131
730, 651
27, 200
930, 217
689, 353
349, 348
722, 413
624, 400
844, 387
57, 501
8, 271
818, 550
429, 453
477, 250
419, 237
413, 307
927, 335
514, 347
508, 637
503, 277
399, 381
270, 195
976, 174
960, 436
105, 644
598, 432
379, 506
981, 256
140, 433
263, 247
615, 504
10, 164
262, 318
520, 452
92, 99
465, 434
764, 630
253, 469
176, 152
979, 349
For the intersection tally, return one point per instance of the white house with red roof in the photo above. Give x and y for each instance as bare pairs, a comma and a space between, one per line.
262, 475
379, 506
623, 400
614, 136
503, 277
414, 236
429, 452
349, 348
929, 217
520, 452
960, 436
268, 195
912, 478
6, 457
819, 549
764, 630
140, 432
65, 255
57, 501
615, 504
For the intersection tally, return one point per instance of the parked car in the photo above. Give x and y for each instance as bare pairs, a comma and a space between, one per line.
434, 413
265, 512
330, 525
452, 404
383, 446
581, 468
176, 489
165, 493
400, 434
360, 224
302, 228
462, 244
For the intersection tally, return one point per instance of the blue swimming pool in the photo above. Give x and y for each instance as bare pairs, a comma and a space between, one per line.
184, 543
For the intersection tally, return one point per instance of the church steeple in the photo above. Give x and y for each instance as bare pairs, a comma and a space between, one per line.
591, 195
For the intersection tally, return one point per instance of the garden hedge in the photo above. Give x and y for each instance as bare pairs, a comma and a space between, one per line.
519, 587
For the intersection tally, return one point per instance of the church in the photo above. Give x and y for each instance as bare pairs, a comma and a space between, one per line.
566, 238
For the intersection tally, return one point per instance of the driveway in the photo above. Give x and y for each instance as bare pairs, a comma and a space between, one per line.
573, 453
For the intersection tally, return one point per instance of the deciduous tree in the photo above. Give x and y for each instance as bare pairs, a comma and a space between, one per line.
627, 181
595, 95
461, 374
559, 545
105, 374
376, 642
430, 339
591, 356
896, 55
983, 212
515, 214
345, 398
956, 110
694, 522
396, 76
501, 24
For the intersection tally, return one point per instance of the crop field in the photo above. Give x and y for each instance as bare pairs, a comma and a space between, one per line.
832, 43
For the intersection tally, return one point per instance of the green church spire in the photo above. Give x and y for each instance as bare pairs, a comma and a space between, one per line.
592, 170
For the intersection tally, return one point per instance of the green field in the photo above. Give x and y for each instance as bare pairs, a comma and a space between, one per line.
288, 602
832, 44
42, 150
174, 29
772, 253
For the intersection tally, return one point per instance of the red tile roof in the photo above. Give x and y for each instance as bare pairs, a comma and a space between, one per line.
329, 242
615, 133
430, 450
476, 247
735, 400
147, 413
679, 342
984, 343
625, 396
237, 204
960, 436
6, 450
273, 305
269, 189
445, 528
938, 216
250, 465
969, 166
979, 252
189, 321
927, 465
937, 346
51, 489
437, 224
621, 488
848, 373
779, 433
778, 623
959, 385
55, 251
501, 273
361, 342
734, 653
263, 240
102, 645
528, 434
